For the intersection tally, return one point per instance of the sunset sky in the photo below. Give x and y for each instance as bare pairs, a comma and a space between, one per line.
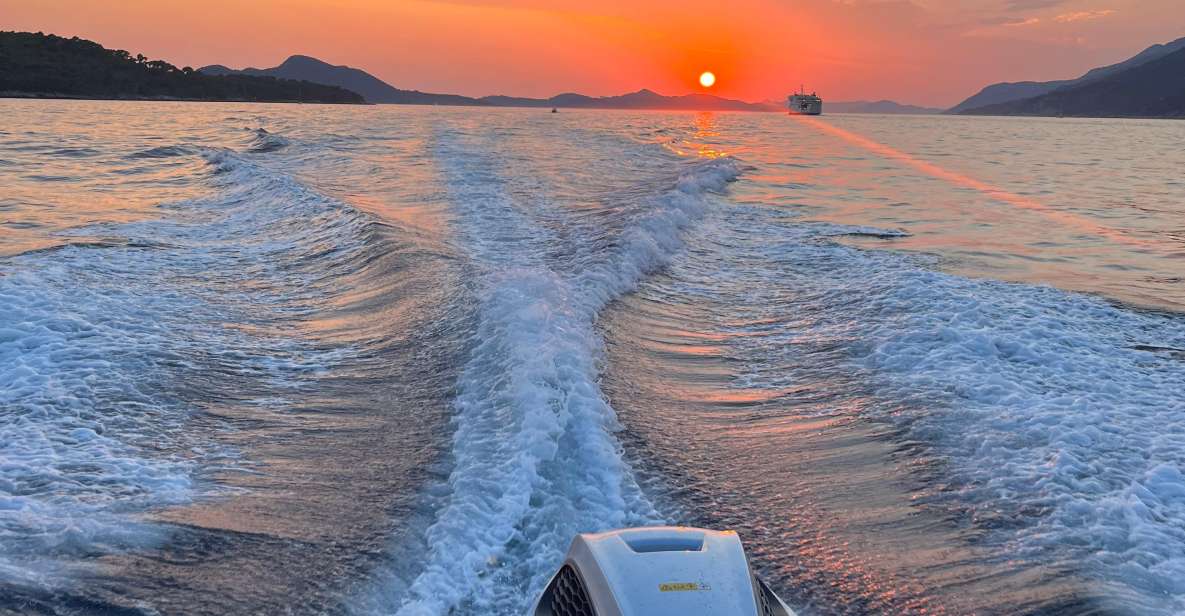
932, 52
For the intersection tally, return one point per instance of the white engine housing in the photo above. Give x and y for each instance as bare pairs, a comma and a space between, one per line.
658, 571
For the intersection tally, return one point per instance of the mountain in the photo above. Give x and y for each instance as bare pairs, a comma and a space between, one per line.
49, 66
373, 89
882, 106
1006, 92
376, 90
1154, 89
642, 99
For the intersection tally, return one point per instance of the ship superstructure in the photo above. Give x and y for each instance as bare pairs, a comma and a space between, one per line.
804, 104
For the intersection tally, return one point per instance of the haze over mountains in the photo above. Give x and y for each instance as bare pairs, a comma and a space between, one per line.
375, 90
642, 99
881, 106
1150, 84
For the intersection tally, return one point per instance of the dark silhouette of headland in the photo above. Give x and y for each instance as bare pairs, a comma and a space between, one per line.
373, 89
39, 65
1149, 84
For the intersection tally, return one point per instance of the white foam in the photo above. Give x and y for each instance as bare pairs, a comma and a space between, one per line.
534, 456
1057, 423
1051, 415
77, 409
96, 340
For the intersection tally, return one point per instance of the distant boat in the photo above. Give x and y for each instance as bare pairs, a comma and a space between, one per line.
804, 104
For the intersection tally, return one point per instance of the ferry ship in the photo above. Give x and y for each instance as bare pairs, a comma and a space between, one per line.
805, 104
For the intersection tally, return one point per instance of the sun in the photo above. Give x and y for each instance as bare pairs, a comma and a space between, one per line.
707, 79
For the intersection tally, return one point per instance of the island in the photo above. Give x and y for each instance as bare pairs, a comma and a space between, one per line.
37, 65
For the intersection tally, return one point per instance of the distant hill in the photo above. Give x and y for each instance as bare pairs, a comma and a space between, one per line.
45, 65
1154, 89
376, 90
883, 106
642, 99
1006, 92
373, 89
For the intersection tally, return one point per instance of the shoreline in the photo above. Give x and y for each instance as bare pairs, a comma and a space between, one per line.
169, 99
159, 99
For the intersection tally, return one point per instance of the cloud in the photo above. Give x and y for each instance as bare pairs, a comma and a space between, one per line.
1028, 5
1032, 21
1066, 18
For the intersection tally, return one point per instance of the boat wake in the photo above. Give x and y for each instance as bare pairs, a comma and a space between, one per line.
534, 455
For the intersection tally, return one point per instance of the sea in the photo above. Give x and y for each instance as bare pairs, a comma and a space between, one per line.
302, 359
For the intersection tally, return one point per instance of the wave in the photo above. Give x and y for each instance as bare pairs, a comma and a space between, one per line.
833, 230
74, 152
1063, 432
1046, 420
99, 243
534, 455
164, 151
263, 141
89, 438
109, 348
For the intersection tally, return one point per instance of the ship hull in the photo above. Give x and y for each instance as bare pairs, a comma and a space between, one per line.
804, 104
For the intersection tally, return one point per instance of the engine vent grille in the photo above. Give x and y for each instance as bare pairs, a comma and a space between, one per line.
568, 595
762, 598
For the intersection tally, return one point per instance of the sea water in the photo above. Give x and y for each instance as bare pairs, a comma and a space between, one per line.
359, 360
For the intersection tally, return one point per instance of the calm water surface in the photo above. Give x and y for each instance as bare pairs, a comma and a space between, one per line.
331, 360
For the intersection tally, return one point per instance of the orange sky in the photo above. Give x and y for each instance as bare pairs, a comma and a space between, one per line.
933, 52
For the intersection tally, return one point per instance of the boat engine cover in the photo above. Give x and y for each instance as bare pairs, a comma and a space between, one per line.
656, 571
